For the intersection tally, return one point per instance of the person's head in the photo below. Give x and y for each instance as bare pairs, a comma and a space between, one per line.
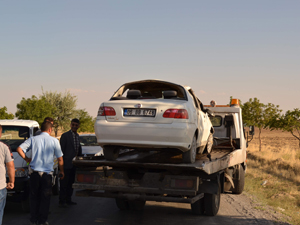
75, 124
46, 127
0, 130
49, 119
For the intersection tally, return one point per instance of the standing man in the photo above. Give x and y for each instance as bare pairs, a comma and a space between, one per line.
5, 159
49, 119
70, 147
43, 148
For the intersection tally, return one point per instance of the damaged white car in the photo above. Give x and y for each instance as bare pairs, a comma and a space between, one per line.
154, 115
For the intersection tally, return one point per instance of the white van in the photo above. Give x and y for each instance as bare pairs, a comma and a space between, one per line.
14, 133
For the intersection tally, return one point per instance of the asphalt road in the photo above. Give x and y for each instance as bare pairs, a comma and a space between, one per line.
235, 209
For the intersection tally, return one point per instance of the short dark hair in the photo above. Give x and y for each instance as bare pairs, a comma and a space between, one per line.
75, 120
45, 126
49, 119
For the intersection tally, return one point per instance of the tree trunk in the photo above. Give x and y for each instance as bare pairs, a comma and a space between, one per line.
259, 139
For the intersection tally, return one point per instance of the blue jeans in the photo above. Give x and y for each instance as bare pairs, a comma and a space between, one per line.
3, 194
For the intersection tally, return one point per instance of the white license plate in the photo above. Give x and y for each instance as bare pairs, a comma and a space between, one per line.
140, 112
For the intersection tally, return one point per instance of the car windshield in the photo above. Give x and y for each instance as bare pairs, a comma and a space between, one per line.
88, 140
151, 90
13, 136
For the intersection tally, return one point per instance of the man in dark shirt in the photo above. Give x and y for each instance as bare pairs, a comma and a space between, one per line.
70, 147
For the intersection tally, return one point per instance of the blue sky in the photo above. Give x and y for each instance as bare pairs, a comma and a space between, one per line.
243, 49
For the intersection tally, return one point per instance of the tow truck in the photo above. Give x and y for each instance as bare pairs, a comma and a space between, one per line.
136, 177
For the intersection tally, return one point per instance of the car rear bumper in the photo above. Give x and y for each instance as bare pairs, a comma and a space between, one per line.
145, 135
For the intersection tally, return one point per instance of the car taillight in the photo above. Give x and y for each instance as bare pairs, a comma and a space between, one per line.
106, 111
85, 178
176, 114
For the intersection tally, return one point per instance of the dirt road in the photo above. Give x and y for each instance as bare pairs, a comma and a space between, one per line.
235, 209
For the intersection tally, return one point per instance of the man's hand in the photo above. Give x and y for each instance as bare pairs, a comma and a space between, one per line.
10, 185
61, 175
28, 160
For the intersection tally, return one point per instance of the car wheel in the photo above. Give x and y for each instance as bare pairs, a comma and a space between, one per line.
111, 153
190, 155
209, 144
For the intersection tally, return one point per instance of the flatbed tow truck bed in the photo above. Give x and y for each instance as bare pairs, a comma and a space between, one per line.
219, 159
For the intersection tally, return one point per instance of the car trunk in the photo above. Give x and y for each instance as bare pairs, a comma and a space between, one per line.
143, 110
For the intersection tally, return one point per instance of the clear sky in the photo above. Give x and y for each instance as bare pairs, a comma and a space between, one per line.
243, 49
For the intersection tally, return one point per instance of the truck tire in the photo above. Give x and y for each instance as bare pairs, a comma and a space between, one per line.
111, 153
239, 183
210, 142
190, 155
198, 207
212, 203
122, 204
137, 205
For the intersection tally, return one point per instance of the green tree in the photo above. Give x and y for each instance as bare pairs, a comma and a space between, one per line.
86, 121
64, 105
4, 114
34, 109
290, 122
260, 115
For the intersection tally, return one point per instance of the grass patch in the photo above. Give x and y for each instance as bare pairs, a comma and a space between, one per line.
273, 176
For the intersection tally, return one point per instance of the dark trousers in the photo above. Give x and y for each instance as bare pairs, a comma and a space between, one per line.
66, 190
40, 195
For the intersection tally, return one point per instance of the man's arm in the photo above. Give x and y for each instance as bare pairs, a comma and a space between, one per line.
63, 142
22, 154
11, 174
61, 167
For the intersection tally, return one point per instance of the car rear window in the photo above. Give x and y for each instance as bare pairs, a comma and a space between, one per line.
151, 90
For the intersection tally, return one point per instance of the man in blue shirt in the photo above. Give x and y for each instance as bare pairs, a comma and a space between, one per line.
43, 148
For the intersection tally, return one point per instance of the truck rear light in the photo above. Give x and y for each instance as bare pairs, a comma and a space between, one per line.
85, 178
182, 183
106, 111
176, 114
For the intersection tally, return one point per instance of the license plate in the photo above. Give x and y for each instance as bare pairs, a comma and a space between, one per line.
140, 112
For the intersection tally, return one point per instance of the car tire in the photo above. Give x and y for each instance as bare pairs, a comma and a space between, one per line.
190, 155
210, 142
111, 153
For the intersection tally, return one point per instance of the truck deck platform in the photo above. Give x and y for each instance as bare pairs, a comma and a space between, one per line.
219, 159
